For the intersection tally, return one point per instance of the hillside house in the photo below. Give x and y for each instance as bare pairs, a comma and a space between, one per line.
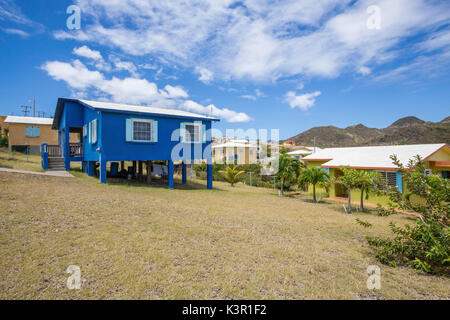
112, 132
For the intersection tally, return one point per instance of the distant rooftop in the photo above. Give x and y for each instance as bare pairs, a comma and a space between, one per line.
28, 120
373, 157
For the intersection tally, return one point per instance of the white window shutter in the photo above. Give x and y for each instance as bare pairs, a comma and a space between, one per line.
94, 131
154, 131
183, 132
203, 133
90, 132
129, 130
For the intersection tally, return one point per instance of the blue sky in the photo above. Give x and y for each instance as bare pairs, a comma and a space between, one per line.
289, 65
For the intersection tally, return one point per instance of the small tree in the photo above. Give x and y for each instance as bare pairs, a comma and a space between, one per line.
349, 180
288, 169
367, 181
426, 245
313, 176
231, 174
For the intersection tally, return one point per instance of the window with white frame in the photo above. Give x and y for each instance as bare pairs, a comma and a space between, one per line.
142, 130
193, 132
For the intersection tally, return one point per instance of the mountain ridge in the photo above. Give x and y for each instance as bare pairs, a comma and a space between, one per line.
406, 130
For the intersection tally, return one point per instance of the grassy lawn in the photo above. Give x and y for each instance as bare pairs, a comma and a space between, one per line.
140, 242
17, 160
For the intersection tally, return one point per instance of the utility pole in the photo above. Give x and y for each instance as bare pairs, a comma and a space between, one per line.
25, 110
34, 106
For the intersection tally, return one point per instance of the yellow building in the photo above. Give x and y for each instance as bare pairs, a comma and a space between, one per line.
436, 159
235, 152
29, 132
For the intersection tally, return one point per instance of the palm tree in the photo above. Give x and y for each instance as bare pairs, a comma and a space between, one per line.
350, 179
366, 181
231, 174
314, 176
288, 168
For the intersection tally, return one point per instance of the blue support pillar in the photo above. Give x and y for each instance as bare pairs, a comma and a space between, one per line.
83, 166
184, 173
90, 168
170, 172
44, 156
67, 148
103, 171
209, 176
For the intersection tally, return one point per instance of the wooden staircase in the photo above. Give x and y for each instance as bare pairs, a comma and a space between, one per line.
56, 164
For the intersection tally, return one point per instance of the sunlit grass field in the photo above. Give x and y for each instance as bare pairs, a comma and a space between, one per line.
20, 161
149, 242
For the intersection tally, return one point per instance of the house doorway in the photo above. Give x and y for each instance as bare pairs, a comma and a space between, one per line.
339, 189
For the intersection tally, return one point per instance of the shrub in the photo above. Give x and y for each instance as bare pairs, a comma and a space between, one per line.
424, 245
3, 141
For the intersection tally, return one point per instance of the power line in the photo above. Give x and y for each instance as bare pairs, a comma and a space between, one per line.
26, 110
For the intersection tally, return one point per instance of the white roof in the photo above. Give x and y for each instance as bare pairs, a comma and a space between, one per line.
372, 157
142, 109
304, 150
299, 152
234, 145
29, 120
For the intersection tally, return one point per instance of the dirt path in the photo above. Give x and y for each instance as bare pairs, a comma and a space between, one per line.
63, 174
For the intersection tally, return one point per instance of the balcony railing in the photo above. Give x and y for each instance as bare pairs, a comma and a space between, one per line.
54, 151
76, 149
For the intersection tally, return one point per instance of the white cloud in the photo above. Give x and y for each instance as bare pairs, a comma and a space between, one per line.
131, 90
76, 74
248, 96
303, 101
120, 65
230, 115
206, 76
257, 40
17, 32
9, 11
429, 66
12, 14
93, 55
86, 52
364, 70
436, 41
258, 94
175, 92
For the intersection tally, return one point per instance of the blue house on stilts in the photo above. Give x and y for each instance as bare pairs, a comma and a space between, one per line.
111, 132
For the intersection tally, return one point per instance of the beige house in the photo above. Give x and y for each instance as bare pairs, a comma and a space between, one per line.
235, 152
29, 132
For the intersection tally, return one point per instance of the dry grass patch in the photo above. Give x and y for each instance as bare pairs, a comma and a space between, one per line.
139, 242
